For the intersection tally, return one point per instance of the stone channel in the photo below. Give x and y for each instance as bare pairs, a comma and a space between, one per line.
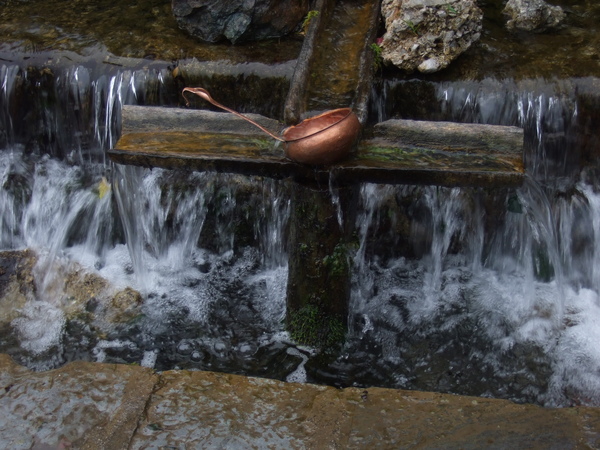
108, 406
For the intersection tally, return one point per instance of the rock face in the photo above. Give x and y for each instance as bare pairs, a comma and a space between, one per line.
36, 322
533, 15
427, 35
238, 21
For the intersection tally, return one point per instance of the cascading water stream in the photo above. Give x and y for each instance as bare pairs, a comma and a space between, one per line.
58, 201
500, 289
475, 314
460, 290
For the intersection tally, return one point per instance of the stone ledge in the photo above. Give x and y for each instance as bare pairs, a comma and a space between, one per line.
107, 406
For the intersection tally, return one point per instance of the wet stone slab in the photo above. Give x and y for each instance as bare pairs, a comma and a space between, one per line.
107, 406
82, 405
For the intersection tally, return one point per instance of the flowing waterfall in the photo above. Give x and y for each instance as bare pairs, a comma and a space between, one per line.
500, 300
133, 226
473, 291
475, 309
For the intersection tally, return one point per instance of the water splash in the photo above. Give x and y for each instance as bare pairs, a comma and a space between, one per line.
71, 112
460, 290
271, 228
8, 76
503, 290
554, 123
162, 221
451, 216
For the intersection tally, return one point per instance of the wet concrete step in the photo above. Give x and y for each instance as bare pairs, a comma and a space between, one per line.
393, 152
107, 406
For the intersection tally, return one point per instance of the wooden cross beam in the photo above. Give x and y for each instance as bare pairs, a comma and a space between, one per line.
392, 152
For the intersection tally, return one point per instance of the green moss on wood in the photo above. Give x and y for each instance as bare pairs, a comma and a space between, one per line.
313, 327
337, 264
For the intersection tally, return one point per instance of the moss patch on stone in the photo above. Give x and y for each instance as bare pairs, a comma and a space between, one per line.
312, 327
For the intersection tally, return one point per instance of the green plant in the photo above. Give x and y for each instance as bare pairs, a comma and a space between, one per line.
377, 60
414, 28
311, 326
337, 263
303, 249
311, 15
451, 10
102, 188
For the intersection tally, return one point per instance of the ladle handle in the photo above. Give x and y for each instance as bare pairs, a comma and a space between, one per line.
203, 93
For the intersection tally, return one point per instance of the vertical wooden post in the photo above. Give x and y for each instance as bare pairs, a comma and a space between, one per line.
318, 290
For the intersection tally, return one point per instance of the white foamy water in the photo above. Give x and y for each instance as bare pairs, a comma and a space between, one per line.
40, 326
498, 300
516, 301
172, 272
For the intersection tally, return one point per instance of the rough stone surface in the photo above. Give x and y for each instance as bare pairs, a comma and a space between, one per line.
77, 406
15, 275
36, 319
533, 15
106, 406
427, 35
214, 21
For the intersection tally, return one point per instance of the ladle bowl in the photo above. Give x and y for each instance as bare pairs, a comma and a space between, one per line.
320, 140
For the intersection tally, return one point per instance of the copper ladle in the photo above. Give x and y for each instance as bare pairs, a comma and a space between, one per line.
320, 140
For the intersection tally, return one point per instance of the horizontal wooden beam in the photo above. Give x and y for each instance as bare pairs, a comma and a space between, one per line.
392, 152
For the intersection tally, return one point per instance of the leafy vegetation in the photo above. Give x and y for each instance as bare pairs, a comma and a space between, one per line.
377, 60
451, 10
311, 15
414, 28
